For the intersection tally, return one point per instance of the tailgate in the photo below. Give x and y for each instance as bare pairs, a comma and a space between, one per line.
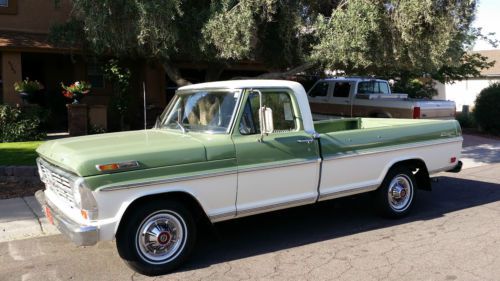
437, 109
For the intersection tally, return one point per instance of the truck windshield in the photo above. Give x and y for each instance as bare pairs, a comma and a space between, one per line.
201, 111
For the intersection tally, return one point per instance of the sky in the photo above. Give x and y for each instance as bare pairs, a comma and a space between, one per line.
487, 17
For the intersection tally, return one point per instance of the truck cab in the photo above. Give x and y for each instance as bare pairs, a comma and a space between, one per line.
366, 97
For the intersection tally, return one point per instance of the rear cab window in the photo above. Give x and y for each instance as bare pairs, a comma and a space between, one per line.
373, 87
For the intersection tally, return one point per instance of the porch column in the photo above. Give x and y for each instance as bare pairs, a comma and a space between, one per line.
11, 72
154, 76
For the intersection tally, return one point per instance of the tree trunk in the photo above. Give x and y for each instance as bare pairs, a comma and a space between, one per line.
174, 75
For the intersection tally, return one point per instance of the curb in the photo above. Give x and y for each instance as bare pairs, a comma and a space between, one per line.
22, 218
18, 171
19, 174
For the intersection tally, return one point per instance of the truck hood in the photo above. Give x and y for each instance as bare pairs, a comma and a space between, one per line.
151, 148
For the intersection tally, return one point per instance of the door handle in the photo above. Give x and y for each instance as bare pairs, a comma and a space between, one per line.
308, 141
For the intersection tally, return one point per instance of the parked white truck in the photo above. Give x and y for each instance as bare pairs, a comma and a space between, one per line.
225, 150
363, 97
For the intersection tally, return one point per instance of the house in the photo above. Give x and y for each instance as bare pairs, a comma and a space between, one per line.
25, 51
464, 92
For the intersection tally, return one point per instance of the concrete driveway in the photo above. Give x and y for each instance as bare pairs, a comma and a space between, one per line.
453, 233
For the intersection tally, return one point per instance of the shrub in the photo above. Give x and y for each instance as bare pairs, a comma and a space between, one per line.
95, 129
416, 88
21, 124
466, 120
486, 110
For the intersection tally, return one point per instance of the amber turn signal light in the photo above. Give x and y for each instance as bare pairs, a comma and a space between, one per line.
108, 167
84, 214
117, 166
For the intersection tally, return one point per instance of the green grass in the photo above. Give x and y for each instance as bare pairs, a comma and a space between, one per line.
18, 153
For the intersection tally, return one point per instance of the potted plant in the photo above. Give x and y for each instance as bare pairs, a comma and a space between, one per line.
27, 89
76, 91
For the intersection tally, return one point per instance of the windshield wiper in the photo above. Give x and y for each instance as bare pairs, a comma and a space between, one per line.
181, 126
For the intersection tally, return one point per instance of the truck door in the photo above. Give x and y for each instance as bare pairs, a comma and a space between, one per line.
282, 170
319, 96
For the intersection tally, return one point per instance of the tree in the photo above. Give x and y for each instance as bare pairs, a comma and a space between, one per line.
119, 77
390, 38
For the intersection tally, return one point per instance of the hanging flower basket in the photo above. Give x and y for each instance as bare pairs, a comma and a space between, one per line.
76, 91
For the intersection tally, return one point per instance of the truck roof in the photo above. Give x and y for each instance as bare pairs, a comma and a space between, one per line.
239, 84
352, 79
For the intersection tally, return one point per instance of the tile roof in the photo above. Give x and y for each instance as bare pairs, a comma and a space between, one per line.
493, 55
16, 40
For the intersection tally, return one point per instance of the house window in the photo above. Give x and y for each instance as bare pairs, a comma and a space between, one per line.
95, 75
8, 7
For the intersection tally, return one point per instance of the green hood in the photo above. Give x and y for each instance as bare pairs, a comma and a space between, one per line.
151, 148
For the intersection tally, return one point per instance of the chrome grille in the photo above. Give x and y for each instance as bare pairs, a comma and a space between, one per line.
56, 180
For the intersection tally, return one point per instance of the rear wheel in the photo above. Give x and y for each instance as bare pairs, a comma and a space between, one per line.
157, 237
395, 196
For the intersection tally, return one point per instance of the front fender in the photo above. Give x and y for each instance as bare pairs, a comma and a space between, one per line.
215, 195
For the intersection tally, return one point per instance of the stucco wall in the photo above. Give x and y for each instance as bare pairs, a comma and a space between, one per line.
464, 92
35, 16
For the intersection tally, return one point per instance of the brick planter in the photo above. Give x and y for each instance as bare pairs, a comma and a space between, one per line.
77, 119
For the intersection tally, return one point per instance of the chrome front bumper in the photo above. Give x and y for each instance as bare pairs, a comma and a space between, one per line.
81, 235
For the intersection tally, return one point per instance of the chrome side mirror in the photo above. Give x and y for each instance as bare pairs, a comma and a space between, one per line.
265, 117
266, 120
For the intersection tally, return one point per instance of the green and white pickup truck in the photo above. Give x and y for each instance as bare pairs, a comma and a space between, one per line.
226, 150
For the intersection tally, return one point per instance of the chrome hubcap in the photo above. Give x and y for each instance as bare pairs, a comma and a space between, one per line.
161, 236
400, 193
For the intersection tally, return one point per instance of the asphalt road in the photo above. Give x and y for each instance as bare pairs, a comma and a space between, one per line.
453, 233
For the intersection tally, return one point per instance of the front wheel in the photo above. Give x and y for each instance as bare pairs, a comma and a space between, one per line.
395, 196
157, 237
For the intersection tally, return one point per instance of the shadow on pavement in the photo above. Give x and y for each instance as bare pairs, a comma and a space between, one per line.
286, 229
483, 153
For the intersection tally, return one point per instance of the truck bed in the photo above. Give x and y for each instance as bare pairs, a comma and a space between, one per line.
354, 134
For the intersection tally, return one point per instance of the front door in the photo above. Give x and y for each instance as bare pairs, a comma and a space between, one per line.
282, 170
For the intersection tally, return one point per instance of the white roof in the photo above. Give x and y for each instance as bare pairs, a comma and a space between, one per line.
297, 88
350, 79
239, 84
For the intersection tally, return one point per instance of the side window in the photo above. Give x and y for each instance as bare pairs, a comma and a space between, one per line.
320, 90
341, 90
283, 113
